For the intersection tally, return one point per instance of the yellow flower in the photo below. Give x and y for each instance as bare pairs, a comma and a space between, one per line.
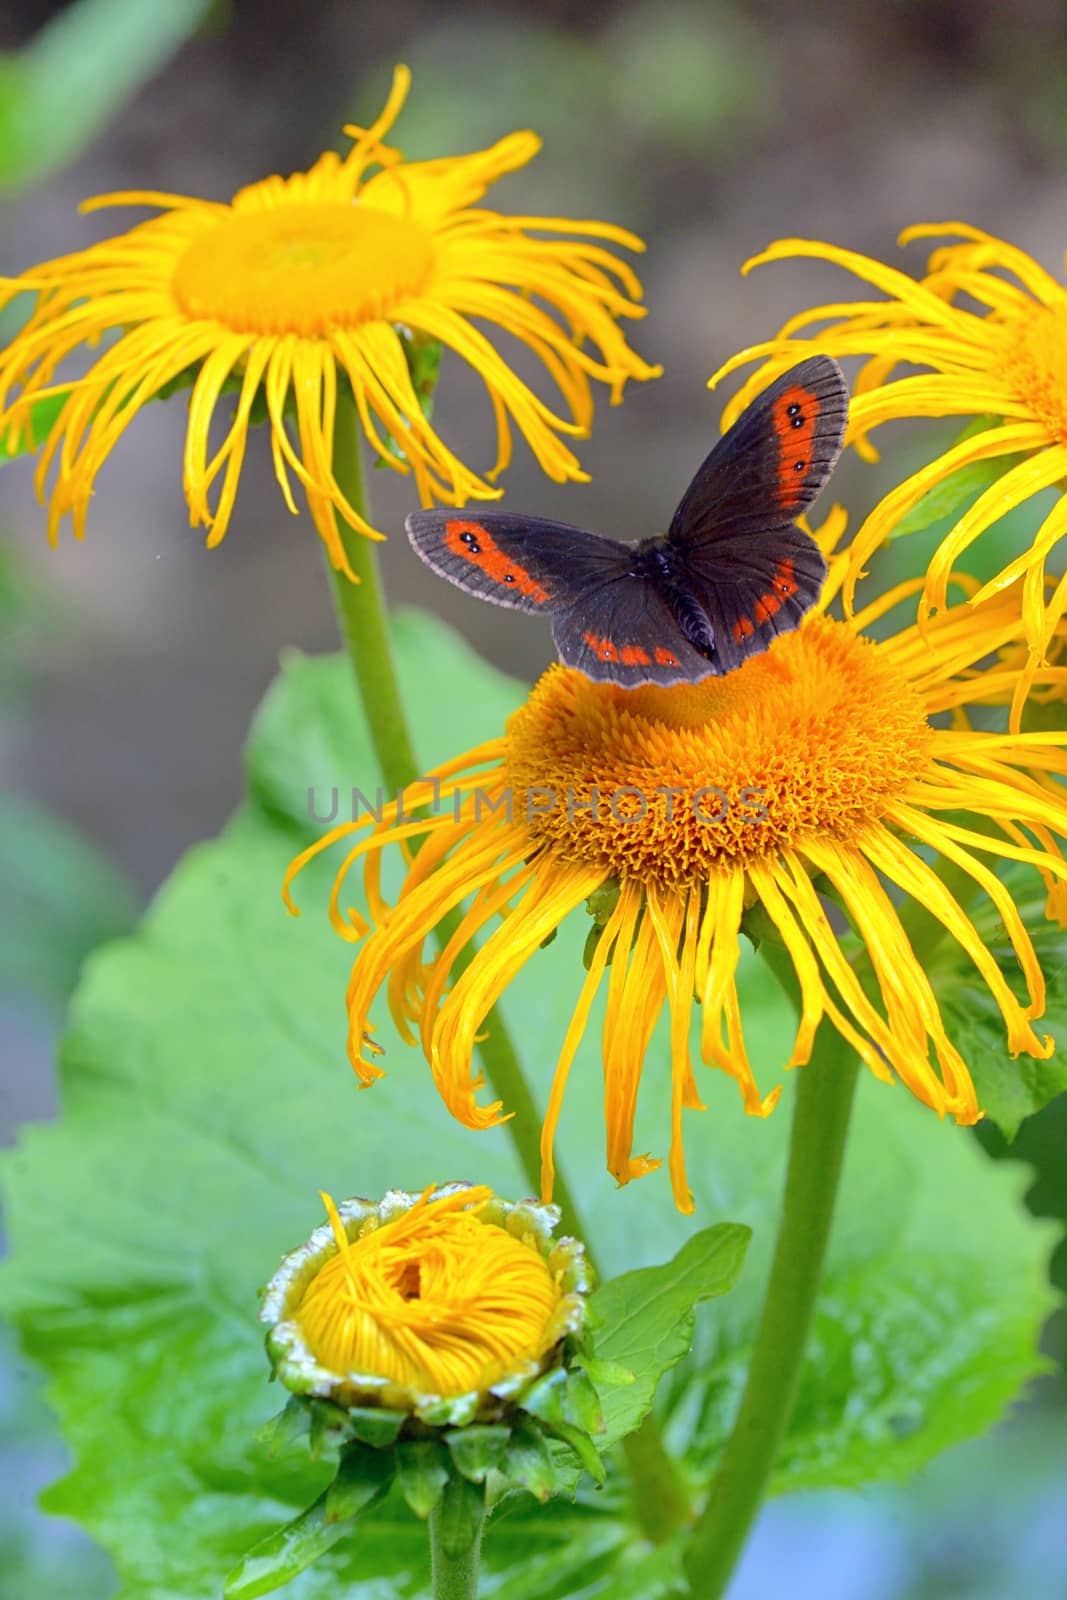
445, 1305
1006, 360
813, 770
304, 288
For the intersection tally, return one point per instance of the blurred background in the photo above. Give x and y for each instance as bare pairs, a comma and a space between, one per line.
130, 665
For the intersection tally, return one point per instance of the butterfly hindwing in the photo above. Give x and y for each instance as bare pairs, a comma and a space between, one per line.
755, 587
624, 632
527, 563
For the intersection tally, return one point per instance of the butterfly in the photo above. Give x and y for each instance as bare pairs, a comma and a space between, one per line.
731, 573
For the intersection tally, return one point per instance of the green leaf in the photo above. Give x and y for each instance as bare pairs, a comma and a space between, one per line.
284, 1554
583, 1403
422, 1472
528, 1461
61, 90
648, 1316
363, 1477
1008, 1089
460, 1516
42, 415
33, 1562
948, 498
291, 1423
328, 1430
375, 1425
309, 738
207, 1098
477, 1449
547, 1398
582, 1446
62, 898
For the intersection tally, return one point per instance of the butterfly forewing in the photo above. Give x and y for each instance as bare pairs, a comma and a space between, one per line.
773, 462
738, 553
527, 563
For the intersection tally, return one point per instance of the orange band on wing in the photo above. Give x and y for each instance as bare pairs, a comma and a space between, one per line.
477, 545
795, 415
630, 655
783, 587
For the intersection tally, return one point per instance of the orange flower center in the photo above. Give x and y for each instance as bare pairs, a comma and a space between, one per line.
815, 736
303, 268
1036, 366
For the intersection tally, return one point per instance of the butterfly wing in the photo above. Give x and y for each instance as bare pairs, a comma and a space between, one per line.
755, 588
625, 632
527, 563
773, 462
738, 572
606, 621
739, 555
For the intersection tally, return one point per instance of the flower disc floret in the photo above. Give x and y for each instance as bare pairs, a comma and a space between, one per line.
667, 785
305, 270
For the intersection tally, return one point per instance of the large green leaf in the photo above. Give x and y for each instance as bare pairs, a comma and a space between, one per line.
33, 1562
207, 1098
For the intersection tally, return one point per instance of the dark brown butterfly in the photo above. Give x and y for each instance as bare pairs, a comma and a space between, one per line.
731, 573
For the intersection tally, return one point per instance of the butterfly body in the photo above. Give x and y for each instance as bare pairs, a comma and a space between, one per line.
656, 562
732, 572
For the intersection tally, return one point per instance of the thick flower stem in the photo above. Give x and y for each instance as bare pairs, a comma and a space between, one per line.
824, 1094
455, 1576
365, 630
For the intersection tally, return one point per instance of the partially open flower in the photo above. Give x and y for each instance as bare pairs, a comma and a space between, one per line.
433, 1342
988, 328
817, 771
306, 289
444, 1306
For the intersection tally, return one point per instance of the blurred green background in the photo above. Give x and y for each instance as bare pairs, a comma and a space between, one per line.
130, 666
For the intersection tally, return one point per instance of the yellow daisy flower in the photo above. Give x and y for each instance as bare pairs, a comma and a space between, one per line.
1006, 359
814, 770
322, 281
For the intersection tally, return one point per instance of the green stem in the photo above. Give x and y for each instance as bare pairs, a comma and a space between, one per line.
364, 627
362, 617
817, 1145
455, 1574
